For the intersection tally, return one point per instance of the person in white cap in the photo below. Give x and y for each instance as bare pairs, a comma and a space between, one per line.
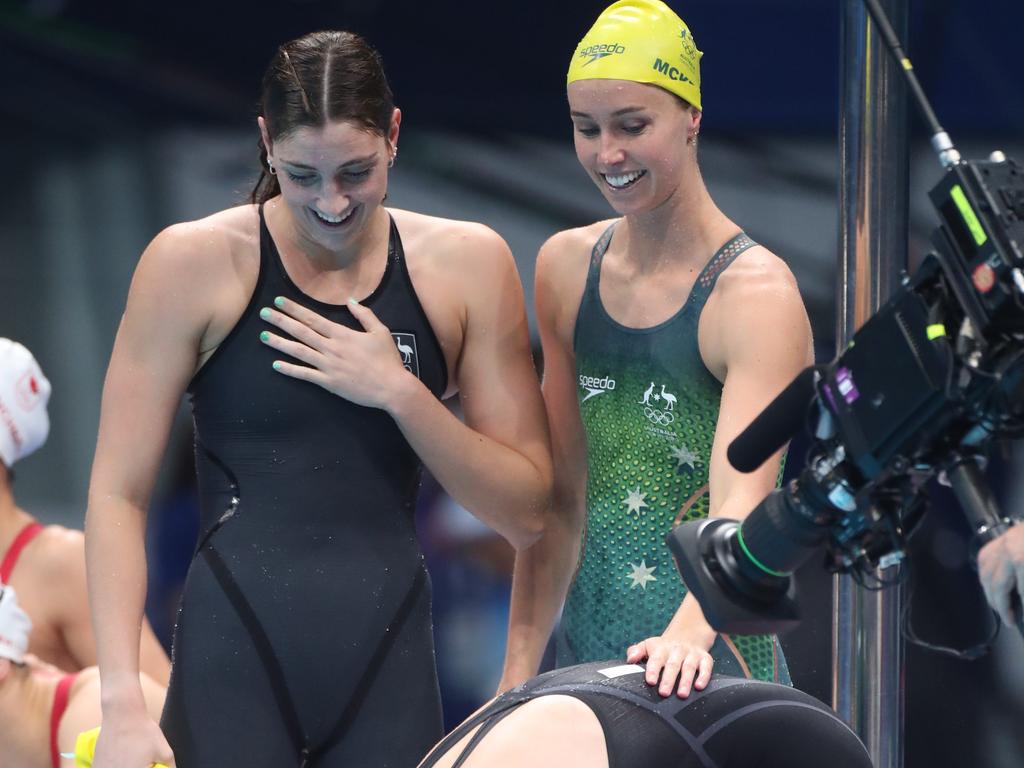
42, 710
46, 564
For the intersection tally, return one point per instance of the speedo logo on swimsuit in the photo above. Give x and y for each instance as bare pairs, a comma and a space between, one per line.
596, 386
595, 52
672, 73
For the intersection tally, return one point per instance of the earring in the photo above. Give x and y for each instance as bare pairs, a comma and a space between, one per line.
271, 168
391, 161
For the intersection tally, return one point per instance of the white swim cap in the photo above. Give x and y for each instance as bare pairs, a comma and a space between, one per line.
24, 393
15, 626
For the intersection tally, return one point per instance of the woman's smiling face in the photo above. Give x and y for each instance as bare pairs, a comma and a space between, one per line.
631, 138
333, 178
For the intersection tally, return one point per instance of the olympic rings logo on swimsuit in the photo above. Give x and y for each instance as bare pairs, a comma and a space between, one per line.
664, 418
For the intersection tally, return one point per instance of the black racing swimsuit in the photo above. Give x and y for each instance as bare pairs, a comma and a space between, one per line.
733, 723
304, 634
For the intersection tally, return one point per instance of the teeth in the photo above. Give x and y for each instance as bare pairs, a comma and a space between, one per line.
624, 179
333, 219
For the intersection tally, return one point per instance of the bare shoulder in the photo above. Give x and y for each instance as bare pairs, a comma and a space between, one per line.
82, 712
562, 264
59, 553
198, 274
87, 679
755, 274
756, 291
755, 309
85, 693
465, 247
205, 243
84, 700
565, 255
561, 276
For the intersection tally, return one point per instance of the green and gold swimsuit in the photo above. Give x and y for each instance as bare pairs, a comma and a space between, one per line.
649, 408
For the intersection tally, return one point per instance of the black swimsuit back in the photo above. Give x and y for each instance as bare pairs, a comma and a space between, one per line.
733, 723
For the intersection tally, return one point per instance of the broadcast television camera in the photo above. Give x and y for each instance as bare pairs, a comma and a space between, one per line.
923, 389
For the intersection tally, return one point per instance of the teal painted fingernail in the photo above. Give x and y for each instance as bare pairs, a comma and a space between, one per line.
277, 365
279, 301
352, 300
264, 336
265, 313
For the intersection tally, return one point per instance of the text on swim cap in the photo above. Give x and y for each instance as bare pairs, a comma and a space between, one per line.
672, 73
595, 52
11, 425
687, 42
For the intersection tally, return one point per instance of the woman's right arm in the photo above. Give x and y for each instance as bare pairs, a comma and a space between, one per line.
543, 571
154, 357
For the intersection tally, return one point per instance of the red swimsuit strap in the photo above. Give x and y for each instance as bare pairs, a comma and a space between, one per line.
60, 703
29, 532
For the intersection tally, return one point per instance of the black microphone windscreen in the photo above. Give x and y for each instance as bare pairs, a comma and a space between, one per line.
776, 424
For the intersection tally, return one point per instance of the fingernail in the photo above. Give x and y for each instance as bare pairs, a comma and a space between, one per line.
279, 301
265, 313
264, 336
277, 365
352, 300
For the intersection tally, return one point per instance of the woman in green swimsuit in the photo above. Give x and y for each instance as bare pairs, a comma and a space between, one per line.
665, 331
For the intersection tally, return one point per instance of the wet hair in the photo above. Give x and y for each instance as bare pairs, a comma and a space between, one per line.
316, 79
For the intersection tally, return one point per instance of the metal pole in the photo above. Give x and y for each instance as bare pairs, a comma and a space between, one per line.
867, 662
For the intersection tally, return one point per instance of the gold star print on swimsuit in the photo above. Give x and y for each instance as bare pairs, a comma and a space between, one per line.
649, 408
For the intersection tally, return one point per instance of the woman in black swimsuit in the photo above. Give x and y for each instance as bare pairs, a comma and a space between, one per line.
316, 333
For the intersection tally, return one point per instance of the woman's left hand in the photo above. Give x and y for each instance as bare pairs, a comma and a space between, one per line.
363, 367
676, 656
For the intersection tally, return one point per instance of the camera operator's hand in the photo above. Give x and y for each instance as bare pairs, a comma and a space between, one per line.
1001, 568
680, 655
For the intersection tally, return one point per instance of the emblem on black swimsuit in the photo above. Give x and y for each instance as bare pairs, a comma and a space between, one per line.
406, 343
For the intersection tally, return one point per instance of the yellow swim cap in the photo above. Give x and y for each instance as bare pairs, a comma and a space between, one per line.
643, 41
85, 749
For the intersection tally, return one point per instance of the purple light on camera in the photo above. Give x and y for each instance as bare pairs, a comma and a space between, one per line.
845, 385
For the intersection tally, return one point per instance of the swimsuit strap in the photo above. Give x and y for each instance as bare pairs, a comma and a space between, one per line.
25, 535
60, 704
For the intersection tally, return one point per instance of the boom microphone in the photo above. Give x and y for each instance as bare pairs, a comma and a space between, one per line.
775, 425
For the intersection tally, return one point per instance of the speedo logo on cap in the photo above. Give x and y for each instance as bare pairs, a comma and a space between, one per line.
672, 73
596, 386
595, 52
